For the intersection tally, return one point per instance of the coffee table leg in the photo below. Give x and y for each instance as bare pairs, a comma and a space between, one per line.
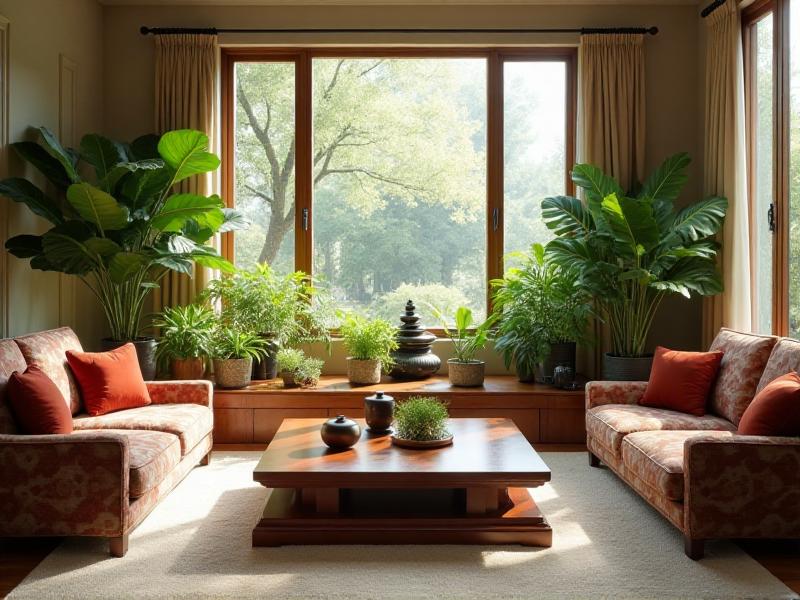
482, 500
327, 500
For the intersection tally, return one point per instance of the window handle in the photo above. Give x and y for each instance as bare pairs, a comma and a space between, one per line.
495, 218
305, 219
771, 217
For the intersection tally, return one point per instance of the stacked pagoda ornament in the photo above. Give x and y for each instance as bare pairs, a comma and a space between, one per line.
413, 357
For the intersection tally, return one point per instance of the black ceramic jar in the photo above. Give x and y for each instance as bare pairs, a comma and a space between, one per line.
379, 412
340, 432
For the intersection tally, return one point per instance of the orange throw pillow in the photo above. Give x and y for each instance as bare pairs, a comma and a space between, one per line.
681, 381
775, 410
109, 381
38, 405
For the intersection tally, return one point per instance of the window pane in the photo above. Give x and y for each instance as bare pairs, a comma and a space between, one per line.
794, 170
400, 182
264, 163
762, 170
534, 152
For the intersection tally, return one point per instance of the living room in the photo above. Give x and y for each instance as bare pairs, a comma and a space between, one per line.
399, 298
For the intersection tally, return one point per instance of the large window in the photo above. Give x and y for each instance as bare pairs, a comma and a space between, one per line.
397, 174
771, 34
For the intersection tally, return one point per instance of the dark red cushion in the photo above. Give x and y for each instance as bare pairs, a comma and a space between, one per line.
775, 410
681, 381
38, 405
109, 381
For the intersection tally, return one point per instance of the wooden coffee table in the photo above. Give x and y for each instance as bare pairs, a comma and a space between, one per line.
473, 492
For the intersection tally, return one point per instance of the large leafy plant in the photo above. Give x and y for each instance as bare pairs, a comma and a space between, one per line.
186, 332
631, 251
122, 231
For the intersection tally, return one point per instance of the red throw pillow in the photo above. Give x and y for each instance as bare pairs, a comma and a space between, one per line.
38, 405
681, 381
109, 381
775, 410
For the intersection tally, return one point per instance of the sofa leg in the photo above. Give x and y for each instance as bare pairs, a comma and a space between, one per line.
206, 460
118, 546
695, 549
593, 460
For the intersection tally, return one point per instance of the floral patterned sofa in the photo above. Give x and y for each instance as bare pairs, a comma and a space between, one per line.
104, 478
696, 471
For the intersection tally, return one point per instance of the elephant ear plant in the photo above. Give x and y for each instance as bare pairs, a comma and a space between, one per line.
631, 251
122, 231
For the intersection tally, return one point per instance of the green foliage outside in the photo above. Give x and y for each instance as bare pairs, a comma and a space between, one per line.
421, 418
391, 306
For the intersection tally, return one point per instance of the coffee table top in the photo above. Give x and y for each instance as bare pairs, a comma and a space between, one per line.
485, 452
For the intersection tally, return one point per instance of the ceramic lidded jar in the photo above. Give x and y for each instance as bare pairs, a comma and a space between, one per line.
379, 412
340, 432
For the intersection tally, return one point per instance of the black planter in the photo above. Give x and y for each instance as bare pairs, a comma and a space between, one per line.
145, 352
562, 353
524, 374
625, 368
267, 367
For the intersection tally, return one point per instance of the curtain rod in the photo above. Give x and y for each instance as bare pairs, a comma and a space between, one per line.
712, 7
144, 30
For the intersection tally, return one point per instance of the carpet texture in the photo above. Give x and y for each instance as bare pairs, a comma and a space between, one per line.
607, 544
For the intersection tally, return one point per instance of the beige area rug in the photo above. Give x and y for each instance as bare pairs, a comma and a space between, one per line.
607, 544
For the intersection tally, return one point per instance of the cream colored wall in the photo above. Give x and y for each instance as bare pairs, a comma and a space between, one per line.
40, 31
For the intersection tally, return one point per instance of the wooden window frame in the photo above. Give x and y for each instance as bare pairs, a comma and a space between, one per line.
496, 57
751, 15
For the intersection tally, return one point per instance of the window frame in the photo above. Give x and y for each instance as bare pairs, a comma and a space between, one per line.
302, 57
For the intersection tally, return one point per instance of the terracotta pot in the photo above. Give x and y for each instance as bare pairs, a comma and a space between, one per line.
233, 372
188, 368
626, 368
288, 379
145, 352
466, 374
363, 372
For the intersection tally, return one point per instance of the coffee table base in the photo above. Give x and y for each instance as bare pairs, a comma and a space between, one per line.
289, 520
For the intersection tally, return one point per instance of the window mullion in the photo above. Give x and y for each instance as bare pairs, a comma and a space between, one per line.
494, 172
304, 222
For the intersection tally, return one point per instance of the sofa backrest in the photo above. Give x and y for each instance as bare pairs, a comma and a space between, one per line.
743, 362
11, 360
785, 358
48, 351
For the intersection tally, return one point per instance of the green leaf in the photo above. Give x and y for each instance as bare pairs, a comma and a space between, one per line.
43, 162
692, 274
179, 244
700, 220
208, 257
64, 247
54, 148
186, 151
144, 186
664, 186
632, 223
98, 207
102, 247
234, 221
566, 216
176, 263
22, 190
206, 211
24, 246
463, 318
145, 146
102, 153
597, 184
125, 265
109, 182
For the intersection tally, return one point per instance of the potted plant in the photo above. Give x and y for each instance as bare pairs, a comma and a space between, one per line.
541, 315
369, 343
421, 422
286, 310
122, 231
631, 251
185, 340
464, 370
297, 369
233, 353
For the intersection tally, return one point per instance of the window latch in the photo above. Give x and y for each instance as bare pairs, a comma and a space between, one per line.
771, 217
495, 218
305, 219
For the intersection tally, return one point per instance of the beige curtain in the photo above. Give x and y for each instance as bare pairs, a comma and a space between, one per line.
611, 126
725, 168
186, 67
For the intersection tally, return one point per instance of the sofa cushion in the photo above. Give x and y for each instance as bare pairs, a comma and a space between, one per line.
775, 411
785, 358
656, 457
681, 381
746, 356
11, 360
190, 422
48, 351
37, 404
610, 423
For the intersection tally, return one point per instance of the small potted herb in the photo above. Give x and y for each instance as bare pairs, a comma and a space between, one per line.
421, 422
369, 343
185, 340
234, 352
464, 370
297, 369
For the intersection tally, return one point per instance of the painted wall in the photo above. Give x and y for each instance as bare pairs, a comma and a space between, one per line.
45, 34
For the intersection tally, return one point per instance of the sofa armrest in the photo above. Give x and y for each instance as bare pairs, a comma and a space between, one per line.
73, 484
614, 392
197, 391
742, 487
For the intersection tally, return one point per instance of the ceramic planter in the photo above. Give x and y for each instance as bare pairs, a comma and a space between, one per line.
466, 374
233, 372
626, 368
363, 372
145, 352
187, 368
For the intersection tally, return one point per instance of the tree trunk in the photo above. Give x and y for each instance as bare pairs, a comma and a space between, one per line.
277, 230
